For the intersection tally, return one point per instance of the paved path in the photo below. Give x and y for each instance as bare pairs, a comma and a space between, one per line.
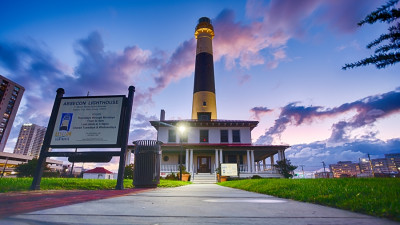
193, 204
12, 203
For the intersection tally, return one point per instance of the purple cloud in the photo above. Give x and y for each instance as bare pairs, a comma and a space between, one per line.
107, 71
258, 112
273, 23
368, 111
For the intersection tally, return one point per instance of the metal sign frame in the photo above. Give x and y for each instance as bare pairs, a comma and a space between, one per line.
122, 140
120, 127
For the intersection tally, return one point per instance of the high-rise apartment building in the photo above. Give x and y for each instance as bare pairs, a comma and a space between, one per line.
345, 168
30, 140
10, 97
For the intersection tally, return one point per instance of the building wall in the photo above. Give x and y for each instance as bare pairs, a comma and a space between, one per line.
214, 135
97, 176
345, 168
10, 98
11, 160
30, 140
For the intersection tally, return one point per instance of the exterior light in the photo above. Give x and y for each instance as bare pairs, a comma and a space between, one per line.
182, 129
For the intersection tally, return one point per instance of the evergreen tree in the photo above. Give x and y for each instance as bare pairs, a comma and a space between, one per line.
129, 171
385, 53
28, 169
285, 168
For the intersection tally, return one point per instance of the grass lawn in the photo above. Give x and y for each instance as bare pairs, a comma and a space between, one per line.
23, 184
374, 196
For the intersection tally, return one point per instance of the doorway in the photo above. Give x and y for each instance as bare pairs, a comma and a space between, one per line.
203, 164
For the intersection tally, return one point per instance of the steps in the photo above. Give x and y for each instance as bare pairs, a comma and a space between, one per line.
204, 178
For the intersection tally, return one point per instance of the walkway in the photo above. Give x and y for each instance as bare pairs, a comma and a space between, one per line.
193, 204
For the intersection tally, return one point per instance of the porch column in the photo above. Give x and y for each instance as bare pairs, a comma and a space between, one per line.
216, 158
191, 161
252, 161
264, 164
279, 155
161, 159
248, 161
187, 160
221, 159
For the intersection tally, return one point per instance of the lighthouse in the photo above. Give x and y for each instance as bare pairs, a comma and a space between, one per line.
204, 105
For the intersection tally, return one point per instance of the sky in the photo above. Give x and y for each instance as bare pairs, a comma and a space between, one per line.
278, 62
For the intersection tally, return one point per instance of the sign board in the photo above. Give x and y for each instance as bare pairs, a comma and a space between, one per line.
229, 169
88, 122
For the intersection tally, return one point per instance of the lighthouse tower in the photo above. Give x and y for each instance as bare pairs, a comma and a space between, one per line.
204, 104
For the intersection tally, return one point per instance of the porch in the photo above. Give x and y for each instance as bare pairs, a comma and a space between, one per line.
258, 161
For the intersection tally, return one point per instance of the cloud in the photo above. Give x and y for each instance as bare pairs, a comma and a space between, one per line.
141, 128
259, 112
180, 65
110, 72
272, 24
368, 111
343, 16
40, 73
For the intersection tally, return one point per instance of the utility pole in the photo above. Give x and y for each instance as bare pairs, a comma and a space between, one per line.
302, 169
323, 164
370, 165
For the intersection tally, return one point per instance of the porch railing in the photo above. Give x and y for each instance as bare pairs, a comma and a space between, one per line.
243, 168
169, 168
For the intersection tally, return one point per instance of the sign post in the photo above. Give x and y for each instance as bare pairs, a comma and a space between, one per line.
88, 122
46, 142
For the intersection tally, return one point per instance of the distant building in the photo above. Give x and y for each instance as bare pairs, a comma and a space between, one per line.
10, 97
98, 173
30, 140
8, 162
324, 175
393, 162
381, 167
345, 169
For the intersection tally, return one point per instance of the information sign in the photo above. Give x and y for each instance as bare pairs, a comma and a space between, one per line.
88, 121
229, 169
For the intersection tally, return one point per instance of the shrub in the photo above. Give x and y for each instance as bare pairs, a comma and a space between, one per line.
256, 177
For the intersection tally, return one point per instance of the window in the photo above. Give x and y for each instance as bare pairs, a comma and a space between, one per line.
224, 136
203, 136
204, 116
235, 135
204, 103
171, 136
183, 137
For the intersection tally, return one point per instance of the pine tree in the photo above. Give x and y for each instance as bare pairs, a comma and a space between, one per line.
385, 53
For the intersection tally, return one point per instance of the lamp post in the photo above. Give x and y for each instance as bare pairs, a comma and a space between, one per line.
181, 129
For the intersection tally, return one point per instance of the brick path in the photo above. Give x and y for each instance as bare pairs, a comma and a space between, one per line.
12, 203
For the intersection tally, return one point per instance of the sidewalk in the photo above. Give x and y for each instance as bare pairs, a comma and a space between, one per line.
193, 204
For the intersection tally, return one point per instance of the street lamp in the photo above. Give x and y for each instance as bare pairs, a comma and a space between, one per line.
181, 129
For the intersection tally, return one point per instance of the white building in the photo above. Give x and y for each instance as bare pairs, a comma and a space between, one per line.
30, 140
98, 173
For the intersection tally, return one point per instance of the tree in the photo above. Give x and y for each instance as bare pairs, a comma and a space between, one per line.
385, 53
28, 169
285, 168
129, 171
